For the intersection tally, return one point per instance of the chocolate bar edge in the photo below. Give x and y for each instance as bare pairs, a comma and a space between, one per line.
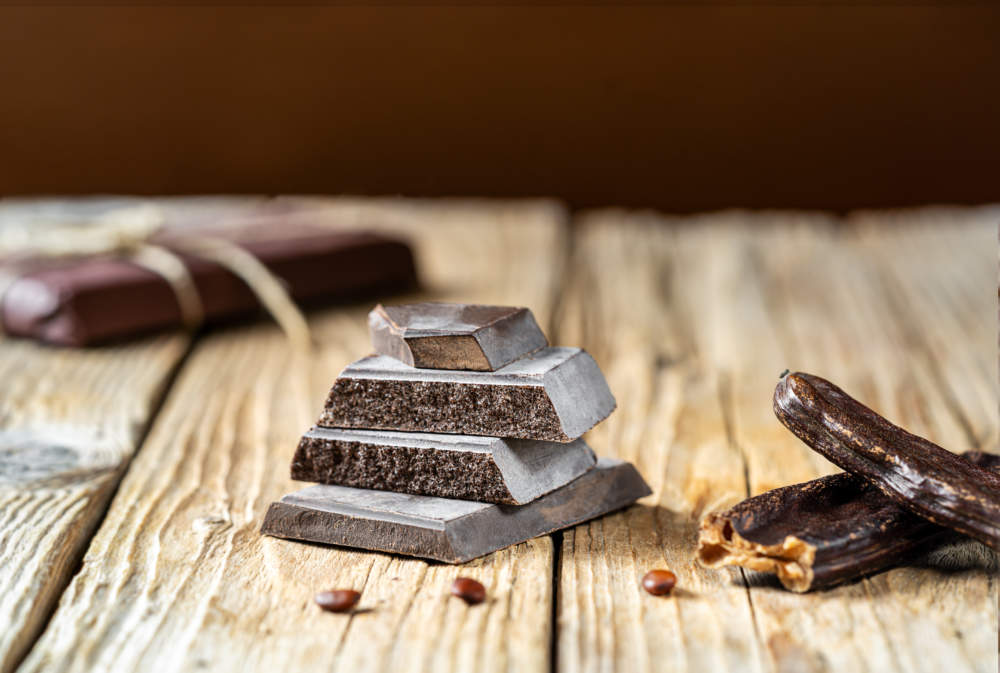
456, 540
482, 469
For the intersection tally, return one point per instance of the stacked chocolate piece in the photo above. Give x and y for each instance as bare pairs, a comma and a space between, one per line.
459, 437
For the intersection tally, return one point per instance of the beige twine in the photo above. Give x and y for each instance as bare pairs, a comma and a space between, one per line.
129, 233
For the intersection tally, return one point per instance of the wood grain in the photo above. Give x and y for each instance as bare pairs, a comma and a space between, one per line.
178, 577
643, 300
70, 420
845, 325
714, 315
691, 319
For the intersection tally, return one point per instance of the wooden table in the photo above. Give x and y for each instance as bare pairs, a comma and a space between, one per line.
155, 461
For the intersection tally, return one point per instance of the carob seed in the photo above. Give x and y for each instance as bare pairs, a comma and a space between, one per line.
659, 582
337, 600
469, 590
935, 484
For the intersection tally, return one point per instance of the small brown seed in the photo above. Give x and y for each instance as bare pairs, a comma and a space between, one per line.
469, 590
659, 582
338, 600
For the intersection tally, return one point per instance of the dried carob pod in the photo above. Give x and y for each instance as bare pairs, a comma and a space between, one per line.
822, 532
938, 485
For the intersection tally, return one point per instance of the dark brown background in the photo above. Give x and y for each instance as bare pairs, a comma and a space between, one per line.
679, 107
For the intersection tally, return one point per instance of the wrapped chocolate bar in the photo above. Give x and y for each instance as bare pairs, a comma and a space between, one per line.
83, 273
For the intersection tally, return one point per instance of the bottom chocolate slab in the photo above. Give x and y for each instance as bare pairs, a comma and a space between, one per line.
442, 529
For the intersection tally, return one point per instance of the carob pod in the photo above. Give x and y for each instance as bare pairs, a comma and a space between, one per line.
823, 532
938, 485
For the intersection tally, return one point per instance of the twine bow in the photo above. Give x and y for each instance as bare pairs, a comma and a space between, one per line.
137, 234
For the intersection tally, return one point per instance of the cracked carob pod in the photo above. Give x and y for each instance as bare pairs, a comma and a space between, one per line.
822, 532
938, 485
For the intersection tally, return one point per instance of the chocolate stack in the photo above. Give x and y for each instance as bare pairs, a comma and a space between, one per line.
459, 437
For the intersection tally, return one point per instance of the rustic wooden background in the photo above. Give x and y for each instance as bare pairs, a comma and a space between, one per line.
154, 462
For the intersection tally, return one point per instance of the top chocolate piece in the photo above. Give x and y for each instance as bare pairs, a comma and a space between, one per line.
455, 336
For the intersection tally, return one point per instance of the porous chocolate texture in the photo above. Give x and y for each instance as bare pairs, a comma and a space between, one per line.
556, 394
454, 336
486, 469
453, 531
823, 532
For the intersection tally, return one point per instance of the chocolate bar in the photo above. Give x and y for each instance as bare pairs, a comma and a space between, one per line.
453, 531
455, 336
94, 300
488, 469
555, 394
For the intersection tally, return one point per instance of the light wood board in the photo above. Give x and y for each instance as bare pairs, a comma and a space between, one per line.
691, 319
71, 420
901, 316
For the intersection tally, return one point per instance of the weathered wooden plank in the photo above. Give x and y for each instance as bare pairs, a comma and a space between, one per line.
70, 421
938, 278
939, 275
755, 356
854, 336
647, 301
178, 576
734, 305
